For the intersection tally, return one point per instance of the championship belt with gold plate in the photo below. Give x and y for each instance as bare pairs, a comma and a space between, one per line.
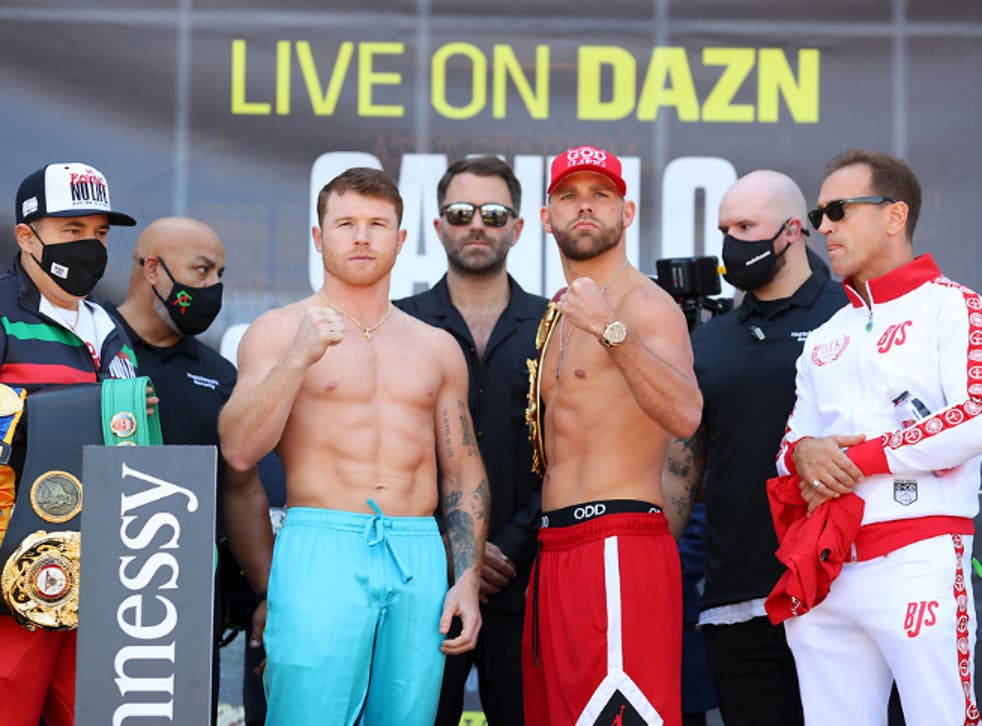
533, 412
40, 551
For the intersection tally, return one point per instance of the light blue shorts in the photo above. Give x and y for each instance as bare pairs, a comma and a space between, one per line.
354, 613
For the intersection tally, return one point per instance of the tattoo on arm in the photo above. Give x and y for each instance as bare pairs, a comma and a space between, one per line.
445, 419
689, 467
460, 532
467, 433
697, 445
482, 500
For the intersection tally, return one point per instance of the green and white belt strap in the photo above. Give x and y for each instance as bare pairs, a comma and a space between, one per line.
125, 421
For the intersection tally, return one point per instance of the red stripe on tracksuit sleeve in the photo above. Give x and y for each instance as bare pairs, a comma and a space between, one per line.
872, 462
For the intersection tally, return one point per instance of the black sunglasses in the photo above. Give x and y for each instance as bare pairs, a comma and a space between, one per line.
492, 213
836, 209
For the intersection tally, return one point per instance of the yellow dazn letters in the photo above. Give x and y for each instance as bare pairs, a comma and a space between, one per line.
607, 82
668, 83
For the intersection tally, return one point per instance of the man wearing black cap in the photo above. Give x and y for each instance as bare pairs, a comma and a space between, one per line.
51, 334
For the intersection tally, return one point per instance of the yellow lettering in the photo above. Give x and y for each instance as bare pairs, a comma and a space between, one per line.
668, 83
283, 77
738, 63
239, 104
324, 102
367, 78
590, 105
775, 76
507, 65
479, 83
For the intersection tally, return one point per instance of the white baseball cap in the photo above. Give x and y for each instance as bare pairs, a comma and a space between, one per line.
66, 190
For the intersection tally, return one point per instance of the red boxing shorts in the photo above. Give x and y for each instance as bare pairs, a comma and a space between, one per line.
602, 642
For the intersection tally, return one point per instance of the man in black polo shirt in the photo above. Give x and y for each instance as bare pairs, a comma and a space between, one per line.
494, 321
745, 363
174, 294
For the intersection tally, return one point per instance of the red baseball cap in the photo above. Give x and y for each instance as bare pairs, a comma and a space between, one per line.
587, 158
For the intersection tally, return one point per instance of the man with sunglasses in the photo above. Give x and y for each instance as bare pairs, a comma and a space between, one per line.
745, 363
613, 384
494, 321
901, 606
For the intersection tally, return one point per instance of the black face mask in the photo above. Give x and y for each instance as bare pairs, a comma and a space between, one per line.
76, 267
192, 309
750, 264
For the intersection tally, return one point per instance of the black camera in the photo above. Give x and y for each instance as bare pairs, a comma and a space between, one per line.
691, 281
683, 277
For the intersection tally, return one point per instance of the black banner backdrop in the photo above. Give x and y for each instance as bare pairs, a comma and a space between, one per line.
222, 114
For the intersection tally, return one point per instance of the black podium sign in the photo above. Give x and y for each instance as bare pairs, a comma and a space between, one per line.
147, 585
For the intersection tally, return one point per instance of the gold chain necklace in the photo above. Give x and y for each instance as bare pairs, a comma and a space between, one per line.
365, 331
564, 336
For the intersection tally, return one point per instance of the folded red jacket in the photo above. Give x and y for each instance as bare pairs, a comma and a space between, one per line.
812, 548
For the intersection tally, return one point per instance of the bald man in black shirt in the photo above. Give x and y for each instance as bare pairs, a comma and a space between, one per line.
174, 294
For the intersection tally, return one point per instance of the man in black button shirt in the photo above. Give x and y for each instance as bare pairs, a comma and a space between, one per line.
494, 321
175, 293
745, 363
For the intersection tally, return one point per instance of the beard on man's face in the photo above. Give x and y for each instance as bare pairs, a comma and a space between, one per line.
475, 260
586, 244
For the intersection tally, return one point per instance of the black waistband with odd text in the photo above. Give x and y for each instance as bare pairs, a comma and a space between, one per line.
577, 513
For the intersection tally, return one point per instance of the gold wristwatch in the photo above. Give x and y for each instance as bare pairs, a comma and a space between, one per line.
614, 334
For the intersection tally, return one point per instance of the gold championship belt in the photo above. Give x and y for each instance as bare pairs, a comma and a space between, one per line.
41, 549
533, 411
40, 581
11, 401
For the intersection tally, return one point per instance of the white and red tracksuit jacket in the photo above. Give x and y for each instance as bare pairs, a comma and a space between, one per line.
922, 333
